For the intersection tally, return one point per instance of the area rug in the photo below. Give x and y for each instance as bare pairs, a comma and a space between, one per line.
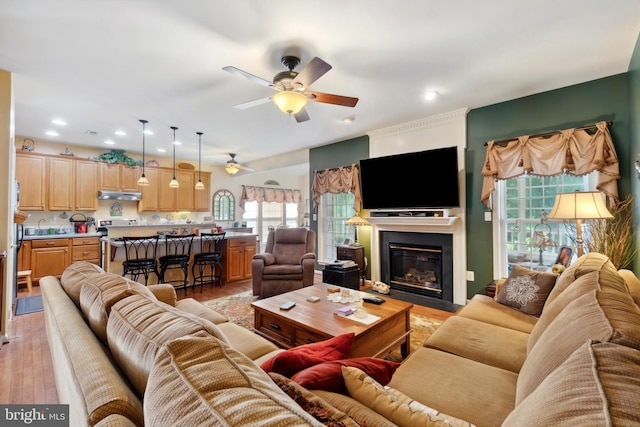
28, 305
237, 308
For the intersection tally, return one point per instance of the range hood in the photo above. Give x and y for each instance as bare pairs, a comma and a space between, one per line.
119, 195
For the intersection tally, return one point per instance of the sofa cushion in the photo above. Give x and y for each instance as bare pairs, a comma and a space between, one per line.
633, 284
246, 342
526, 290
201, 381
73, 277
441, 380
99, 292
328, 375
360, 413
486, 309
597, 385
392, 404
312, 403
298, 358
196, 308
604, 315
138, 326
483, 342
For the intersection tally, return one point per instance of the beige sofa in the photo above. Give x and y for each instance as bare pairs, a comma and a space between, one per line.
491, 365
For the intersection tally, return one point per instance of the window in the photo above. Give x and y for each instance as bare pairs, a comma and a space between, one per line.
263, 215
224, 206
519, 205
334, 211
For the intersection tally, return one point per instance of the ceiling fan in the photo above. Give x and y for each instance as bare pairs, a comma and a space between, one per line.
233, 167
293, 88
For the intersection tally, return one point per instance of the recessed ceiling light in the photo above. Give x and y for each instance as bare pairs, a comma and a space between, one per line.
431, 95
177, 143
52, 133
109, 142
148, 132
59, 122
349, 119
120, 133
161, 150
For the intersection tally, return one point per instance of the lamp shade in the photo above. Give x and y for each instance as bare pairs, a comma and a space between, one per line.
231, 169
356, 220
289, 101
580, 205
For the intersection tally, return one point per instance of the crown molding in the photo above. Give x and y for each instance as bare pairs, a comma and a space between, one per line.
421, 123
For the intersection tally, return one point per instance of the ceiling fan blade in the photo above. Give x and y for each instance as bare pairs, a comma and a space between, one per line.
259, 80
312, 72
253, 103
302, 115
245, 168
328, 98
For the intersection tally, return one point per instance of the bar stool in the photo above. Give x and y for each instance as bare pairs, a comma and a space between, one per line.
177, 255
140, 255
209, 256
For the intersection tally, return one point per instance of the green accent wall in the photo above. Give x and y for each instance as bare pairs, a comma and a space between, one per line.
634, 131
343, 153
573, 106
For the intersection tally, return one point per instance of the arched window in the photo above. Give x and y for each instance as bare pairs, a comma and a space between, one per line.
224, 206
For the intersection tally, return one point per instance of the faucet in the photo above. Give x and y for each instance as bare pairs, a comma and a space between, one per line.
40, 222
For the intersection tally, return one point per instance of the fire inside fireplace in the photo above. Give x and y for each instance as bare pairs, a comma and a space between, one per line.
416, 268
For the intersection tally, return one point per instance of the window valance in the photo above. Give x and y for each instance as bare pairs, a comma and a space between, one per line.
572, 151
344, 179
251, 193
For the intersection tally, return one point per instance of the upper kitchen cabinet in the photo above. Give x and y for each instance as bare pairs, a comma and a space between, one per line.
61, 184
185, 196
203, 197
118, 177
149, 200
86, 185
166, 194
31, 173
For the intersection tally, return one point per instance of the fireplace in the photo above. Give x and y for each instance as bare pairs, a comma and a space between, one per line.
418, 263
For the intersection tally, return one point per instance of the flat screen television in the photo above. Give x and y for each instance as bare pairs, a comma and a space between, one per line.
422, 180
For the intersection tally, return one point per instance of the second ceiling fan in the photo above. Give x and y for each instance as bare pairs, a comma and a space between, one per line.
293, 88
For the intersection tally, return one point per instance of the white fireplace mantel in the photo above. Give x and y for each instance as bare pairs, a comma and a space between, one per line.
416, 224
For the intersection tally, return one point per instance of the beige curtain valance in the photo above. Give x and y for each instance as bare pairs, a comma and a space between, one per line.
571, 151
344, 179
268, 194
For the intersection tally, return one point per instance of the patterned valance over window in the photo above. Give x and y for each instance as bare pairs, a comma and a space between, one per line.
269, 194
572, 151
344, 179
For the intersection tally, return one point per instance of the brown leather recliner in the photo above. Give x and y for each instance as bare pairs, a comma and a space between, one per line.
287, 264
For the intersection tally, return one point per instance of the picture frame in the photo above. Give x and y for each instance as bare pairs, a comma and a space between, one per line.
565, 253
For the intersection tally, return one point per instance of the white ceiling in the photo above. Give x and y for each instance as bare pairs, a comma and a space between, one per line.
101, 65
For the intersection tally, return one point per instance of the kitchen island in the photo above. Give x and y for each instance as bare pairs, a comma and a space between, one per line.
237, 251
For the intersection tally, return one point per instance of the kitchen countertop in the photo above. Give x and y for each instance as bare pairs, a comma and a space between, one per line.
59, 236
228, 235
180, 225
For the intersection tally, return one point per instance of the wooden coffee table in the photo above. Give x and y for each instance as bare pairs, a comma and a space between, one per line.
310, 322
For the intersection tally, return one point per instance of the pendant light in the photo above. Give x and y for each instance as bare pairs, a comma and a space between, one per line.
143, 181
199, 184
174, 182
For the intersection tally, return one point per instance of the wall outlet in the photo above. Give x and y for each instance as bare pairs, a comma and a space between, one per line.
487, 216
470, 276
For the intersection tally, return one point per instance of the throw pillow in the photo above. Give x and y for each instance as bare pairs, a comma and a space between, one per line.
328, 375
526, 290
393, 404
312, 404
298, 358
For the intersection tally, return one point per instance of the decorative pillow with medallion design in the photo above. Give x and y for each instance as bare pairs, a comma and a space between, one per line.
526, 290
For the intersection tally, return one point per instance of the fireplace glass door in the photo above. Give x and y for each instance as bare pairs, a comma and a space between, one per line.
416, 267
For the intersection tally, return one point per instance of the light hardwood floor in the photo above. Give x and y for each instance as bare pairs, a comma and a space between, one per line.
26, 375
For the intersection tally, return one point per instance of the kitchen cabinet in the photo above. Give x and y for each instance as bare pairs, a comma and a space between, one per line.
86, 190
61, 184
203, 197
118, 177
31, 173
149, 199
24, 256
49, 257
186, 193
166, 194
85, 249
237, 255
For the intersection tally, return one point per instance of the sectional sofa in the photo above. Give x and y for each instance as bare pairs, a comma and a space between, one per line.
125, 355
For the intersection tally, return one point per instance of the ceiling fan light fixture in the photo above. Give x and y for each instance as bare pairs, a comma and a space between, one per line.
231, 169
289, 101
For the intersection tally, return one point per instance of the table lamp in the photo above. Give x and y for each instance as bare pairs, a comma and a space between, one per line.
356, 221
580, 205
